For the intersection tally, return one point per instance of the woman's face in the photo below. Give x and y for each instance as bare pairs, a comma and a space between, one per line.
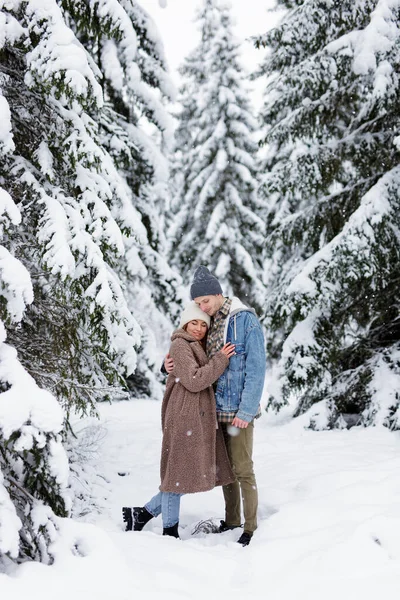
197, 329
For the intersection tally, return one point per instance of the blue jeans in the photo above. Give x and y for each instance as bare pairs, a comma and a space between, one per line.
166, 503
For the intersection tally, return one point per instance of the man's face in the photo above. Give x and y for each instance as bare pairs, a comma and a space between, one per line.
210, 304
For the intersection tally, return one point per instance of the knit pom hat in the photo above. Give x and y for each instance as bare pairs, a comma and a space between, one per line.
204, 283
193, 312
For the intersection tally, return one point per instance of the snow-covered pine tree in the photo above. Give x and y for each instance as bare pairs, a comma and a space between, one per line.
136, 130
97, 157
216, 217
33, 463
67, 215
74, 206
331, 181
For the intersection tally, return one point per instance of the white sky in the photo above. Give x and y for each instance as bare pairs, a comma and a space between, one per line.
179, 33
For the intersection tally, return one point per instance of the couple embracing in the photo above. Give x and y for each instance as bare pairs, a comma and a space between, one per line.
216, 369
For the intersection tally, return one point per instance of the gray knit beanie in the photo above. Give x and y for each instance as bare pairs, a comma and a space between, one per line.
204, 283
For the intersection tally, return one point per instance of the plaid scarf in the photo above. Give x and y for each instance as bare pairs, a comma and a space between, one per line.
215, 338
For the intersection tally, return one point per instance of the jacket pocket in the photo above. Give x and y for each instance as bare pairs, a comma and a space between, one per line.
221, 385
237, 361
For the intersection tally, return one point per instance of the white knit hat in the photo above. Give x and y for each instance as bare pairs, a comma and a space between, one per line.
193, 312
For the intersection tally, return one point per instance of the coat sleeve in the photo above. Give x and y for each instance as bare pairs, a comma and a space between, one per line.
186, 369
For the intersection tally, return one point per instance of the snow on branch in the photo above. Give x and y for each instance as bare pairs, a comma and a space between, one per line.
6, 137
10, 30
10, 524
384, 388
150, 151
140, 67
358, 230
15, 285
31, 421
15, 282
378, 38
55, 232
58, 50
9, 212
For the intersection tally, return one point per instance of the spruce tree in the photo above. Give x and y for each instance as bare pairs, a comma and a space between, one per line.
136, 130
331, 181
216, 219
33, 462
81, 84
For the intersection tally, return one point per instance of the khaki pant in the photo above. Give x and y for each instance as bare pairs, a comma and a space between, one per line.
240, 451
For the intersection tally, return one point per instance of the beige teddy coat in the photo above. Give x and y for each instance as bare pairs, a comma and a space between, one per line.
193, 455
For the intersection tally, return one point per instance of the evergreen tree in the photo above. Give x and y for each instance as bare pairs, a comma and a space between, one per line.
331, 180
126, 47
216, 220
33, 463
81, 84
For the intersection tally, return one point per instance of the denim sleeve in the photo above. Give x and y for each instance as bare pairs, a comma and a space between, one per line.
255, 367
163, 370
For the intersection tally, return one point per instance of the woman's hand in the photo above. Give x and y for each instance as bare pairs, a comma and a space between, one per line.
228, 350
168, 363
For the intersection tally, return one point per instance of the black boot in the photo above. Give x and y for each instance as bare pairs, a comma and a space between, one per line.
172, 531
245, 538
135, 518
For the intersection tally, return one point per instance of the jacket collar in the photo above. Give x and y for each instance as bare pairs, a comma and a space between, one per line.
238, 306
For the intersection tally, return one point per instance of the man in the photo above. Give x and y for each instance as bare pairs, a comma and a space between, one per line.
238, 392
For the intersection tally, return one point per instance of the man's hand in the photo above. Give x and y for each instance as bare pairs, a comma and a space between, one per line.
239, 423
168, 363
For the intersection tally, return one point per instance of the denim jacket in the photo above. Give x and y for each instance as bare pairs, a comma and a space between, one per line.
240, 387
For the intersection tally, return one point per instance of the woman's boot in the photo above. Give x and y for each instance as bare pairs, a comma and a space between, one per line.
172, 531
135, 518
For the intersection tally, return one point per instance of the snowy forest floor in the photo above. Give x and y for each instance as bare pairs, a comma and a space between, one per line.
329, 522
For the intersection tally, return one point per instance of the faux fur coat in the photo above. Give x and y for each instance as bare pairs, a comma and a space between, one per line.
193, 455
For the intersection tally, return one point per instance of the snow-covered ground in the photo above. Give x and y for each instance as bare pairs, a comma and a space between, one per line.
329, 523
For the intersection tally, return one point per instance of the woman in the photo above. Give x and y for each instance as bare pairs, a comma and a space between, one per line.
193, 454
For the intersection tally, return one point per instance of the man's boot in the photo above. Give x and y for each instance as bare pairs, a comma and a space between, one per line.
135, 518
172, 531
245, 538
